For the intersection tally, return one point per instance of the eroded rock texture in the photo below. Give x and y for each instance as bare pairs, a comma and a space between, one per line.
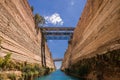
97, 32
17, 32
49, 60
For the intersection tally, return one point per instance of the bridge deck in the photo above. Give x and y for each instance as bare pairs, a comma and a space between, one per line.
57, 33
57, 59
57, 28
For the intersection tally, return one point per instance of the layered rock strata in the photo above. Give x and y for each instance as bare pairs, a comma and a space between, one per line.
97, 33
18, 34
48, 57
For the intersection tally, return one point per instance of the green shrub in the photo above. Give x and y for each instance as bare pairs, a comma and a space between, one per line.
29, 71
12, 76
5, 62
32, 8
1, 62
32, 70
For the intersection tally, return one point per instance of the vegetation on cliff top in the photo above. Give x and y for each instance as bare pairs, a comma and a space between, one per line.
38, 20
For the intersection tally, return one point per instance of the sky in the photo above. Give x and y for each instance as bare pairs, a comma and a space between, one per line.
58, 13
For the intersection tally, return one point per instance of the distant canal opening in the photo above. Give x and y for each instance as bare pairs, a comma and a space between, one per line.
57, 75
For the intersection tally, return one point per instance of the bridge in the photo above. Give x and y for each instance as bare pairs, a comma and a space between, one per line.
57, 33
57, 28
57, 59
54, 33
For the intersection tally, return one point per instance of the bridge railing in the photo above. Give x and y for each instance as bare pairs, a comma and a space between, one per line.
57, 28
57, 33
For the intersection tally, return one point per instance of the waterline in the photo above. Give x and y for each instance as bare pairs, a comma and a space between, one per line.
57, 75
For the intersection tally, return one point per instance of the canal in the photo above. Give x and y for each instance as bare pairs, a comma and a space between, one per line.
57, 75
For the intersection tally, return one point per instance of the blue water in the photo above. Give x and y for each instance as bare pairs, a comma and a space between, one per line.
57, 75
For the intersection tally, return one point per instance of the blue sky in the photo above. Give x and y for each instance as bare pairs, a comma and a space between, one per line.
59, 13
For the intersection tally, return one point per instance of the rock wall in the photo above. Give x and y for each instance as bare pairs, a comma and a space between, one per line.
49, 60
17, 32
97, 32
67, 56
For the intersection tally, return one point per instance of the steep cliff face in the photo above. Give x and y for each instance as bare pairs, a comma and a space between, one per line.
66, 61
17, 32
49, 60
97, 32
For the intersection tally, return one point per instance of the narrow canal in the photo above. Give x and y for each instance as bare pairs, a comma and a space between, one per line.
57, 75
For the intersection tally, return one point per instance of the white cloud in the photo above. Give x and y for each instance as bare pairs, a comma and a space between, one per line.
54, 19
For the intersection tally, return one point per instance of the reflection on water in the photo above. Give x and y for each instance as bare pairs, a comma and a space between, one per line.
57, 75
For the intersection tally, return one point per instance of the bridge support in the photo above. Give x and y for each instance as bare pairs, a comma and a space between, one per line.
43, 58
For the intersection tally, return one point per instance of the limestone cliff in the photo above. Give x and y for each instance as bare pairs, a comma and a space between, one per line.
17, 32
49, 60
97, 32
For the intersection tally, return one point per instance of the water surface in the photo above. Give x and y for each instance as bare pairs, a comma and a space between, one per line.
57, 75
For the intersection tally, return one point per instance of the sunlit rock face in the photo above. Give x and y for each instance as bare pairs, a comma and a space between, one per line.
17, 32
97, 31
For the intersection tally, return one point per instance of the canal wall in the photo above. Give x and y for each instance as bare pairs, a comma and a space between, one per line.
95, 42
18, 34
48, 57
